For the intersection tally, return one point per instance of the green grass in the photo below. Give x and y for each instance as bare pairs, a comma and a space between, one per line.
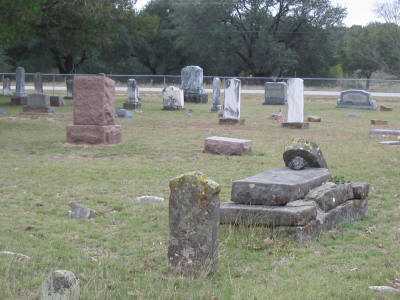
122, 253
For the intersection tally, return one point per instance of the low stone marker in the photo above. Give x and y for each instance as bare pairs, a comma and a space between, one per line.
393, 132
295, 105
94, 122
60, 285
38, 103
133, 102
300, 153
275, 93
78, 211
194, 225
20, 92
356, 99
7, 87
173, 98
192, 85
216, 104
227, 146
149, 200
124, 113
56, 101
379, 122
232, 99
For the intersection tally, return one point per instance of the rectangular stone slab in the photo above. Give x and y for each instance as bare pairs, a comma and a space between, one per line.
297, 214
395, 132
330, 195
277, 187
92, 134
227, 146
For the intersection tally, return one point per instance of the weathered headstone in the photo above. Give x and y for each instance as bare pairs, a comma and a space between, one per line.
7, 87
133, 102
275, 93
300, 154
78, 211
356, 99
60, 285
216, 104
70, 88
295, 101
20, 92
38, 103
38, 83
232, 99
194, 224
173, 98
94, 114
227, 146
192, 85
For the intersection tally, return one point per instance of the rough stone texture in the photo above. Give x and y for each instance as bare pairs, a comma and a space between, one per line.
385, 108
60, 285
295, 125
38, 103
232, 100
194, 224
38, 83
314, 119
330, 195
277, 187
94, 99
307, 150
295, 101
298, 213
173, 98
192, 85
275, 93
360, 190
216, 97
297, 163
93, 134
356, 99
394, 132
70, 88
149, 200
379, 122
133, 102
227, 146
20, 91
78, 211
7, 87
300, 234
56, 101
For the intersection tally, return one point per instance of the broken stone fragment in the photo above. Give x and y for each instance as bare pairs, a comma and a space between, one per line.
360, 190
309, 151
331, 195
60, 285
78, 211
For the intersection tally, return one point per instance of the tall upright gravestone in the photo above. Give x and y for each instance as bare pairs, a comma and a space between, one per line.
216, 100
38, 83
295, 104
133, 102
194, 225
20, 92
70, 88
192, 85
356, 99
94, 123
7, 87
232, 99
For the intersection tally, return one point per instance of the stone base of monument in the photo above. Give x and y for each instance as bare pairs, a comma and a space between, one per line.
56, 101
132, 106
277, 101
374, 106
195, 98
172, 108
93, 134
390, 143
385, 132
227, 146
227, 121
18, 100
295, 125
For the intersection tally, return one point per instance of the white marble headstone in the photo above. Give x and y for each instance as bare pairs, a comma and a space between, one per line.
232, 99
173, 98
295, 101
133, 91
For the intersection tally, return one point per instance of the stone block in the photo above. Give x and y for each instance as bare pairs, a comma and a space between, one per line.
298, 213
92, 134
314, 119
390, 143
360, 190
393, 132
227, 146
227, 121
56, 101
300, 153
277, 187
379, 122
330, 195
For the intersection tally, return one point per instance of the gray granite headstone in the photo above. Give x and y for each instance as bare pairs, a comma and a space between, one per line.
356, 99
38, 103
133, 102
7, 87
216, 104
194, 224
295, 101
275, 93
192, 85
70, 88
20, 82
232, 98
38, 83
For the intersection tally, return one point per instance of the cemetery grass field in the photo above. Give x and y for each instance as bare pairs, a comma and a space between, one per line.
121, 254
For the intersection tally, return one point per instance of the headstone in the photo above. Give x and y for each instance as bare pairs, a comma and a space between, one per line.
7, 87
173, 98
194, 224
232, 97
38, 83
38, 103
60, 285
56, 101
275, 93
227, 146
300, 154
216, 105
192, 85
20, 93
385, 132
356, 99
94, 114
70, 88
314, 119
295, 101
133, 102
78, 211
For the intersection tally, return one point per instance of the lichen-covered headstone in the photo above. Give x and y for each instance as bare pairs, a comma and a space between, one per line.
192, 85
60, 285
295, 101
216, 94
173, 98
356, 99
194, 224
133, 102
38, 83
7, 87
232, 98
300, 154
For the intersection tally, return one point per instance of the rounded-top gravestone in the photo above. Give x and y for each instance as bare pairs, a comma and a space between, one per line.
192, 85
300, 154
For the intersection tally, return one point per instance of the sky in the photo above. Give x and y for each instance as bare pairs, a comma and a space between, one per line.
360, 12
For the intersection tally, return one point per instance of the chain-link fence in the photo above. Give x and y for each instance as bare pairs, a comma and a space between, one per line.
55, 84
